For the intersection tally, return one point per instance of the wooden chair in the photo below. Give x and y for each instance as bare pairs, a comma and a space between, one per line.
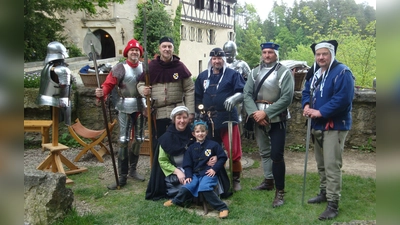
77, 130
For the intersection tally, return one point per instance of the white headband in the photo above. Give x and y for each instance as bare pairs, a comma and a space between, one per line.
325, 45
178, 109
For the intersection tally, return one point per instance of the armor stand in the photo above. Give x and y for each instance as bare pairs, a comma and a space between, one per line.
55, 160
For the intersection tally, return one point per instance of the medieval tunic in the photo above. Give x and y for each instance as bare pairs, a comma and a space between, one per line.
214, 90
195, 165
335, 102
172, 86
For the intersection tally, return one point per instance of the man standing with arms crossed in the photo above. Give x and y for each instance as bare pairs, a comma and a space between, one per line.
330, 84
267, 95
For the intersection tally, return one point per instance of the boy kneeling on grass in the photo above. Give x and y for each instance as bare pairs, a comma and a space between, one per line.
199, 176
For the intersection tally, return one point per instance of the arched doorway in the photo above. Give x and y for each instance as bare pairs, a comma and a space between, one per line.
107, 44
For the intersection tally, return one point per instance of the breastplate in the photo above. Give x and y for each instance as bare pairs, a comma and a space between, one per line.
54, 86
129, 99
270, 90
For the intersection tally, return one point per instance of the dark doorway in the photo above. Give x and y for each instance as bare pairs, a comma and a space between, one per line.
107, 44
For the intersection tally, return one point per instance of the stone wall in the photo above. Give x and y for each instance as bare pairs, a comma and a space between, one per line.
362, 133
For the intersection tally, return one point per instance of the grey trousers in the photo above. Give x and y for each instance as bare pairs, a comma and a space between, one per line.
328, 150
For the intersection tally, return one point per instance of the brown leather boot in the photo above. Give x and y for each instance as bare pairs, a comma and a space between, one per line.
331, 211
267, 184
321, 197
236, 181
278, 201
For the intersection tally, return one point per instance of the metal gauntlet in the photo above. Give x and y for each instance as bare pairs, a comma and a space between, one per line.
235, 99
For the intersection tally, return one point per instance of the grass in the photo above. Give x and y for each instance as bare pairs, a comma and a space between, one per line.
128, 206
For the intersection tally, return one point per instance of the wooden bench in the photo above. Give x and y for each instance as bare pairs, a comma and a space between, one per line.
41, 126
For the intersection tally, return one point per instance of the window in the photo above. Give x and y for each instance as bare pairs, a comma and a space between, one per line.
228, 10
183, 32
211, 5
199, 4
166, 2
219, 7
231, 36
199, 35
211, 37
200, 66
192, 34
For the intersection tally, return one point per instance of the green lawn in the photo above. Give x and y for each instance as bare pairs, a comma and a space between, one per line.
128, 206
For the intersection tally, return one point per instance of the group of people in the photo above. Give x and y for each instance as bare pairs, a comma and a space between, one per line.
188, 161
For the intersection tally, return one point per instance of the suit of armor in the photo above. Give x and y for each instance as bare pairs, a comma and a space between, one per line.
55, 81
129, 104
243, 68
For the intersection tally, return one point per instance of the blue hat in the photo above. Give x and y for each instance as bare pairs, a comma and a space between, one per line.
199, 122
269, 45
217, 52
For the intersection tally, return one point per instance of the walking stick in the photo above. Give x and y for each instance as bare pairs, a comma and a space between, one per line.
103, 107
147, 81
307, 147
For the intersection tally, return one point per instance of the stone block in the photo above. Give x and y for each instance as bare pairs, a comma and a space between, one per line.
46, 197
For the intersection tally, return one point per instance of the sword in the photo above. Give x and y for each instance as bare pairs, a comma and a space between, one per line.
230, 125
307, 147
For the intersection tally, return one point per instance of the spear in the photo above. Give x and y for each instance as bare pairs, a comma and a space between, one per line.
103, 107
147, 81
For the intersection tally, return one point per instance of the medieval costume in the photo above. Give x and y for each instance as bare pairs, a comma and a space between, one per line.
217, 92
270, 89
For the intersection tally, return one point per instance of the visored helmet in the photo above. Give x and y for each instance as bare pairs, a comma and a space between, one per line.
230, 50
55, 51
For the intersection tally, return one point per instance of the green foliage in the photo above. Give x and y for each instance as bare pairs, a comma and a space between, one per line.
248, 44
158, 24
297, 148
74, 51
177, 28
43, 23
365, 148
68, 140
32, 80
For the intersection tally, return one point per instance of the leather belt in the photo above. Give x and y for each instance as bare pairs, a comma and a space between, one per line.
264, 102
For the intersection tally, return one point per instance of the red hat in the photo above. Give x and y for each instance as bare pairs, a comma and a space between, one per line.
133, 44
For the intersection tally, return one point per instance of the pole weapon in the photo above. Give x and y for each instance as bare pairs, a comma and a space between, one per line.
147, 82
91, 38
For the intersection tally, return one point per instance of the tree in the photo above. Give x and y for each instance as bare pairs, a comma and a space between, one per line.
43, 23
158, 24
177, 28
248, 42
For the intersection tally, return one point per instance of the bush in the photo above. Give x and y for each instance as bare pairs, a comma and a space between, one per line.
74, 51
32, 80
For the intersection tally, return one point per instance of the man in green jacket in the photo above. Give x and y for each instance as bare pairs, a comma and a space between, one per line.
267, 95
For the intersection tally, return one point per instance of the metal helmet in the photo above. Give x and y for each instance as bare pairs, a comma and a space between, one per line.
55, 51
230, 51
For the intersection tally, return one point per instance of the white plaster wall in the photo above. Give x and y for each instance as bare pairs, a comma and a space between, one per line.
119, 16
